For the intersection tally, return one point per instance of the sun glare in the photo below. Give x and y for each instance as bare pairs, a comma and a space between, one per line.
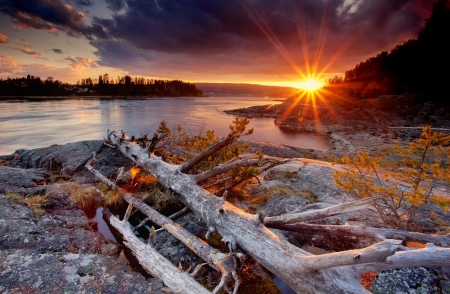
309, 85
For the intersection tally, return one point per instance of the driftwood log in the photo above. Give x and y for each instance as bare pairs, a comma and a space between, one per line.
303, 272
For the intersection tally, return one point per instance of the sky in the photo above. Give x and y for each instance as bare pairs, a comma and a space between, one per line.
270, 42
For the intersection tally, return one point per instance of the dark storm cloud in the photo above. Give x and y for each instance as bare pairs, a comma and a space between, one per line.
58, 51
45, 15
234, 31
83, 2
115, 5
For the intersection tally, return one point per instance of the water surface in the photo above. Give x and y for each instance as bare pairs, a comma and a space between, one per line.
33, 124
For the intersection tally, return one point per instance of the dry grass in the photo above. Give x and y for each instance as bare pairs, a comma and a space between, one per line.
84, 197
36, 202
113, 199
443, 227
367, 279
414, 245
15, 197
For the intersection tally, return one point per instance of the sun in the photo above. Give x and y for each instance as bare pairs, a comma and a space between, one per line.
309, 85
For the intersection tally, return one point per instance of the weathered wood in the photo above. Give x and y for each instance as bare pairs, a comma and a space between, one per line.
289, 218
212, 256
221, 143
223, 168
375, 253
367, 232
153, 262
429, 256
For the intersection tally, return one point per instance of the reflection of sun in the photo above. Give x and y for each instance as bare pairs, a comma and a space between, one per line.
309, 85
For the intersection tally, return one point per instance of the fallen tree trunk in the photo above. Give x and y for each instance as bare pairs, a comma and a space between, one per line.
303, 272
217, 260
366, 232
289, 218
176, 280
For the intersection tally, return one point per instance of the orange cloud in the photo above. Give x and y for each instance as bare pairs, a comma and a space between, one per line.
8, 64
79, 62
24, 44
3, 38
29, 52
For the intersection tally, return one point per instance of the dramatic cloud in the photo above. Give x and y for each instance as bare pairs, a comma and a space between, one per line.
8, 64
24, 44
58, 51
249, 37
332, 34
116, 5
29, 52
79, 62
3, 38
82, 2
44, 15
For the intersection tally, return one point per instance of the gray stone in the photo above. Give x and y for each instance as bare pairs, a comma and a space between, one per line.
28, 271
285, 171
284, 204
420, 280
276, 150
19, 230
65, 159
172, 248
19, 180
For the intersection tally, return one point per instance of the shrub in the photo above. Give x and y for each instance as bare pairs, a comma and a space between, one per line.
423, 164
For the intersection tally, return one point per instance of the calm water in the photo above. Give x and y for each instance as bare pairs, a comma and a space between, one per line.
32, 124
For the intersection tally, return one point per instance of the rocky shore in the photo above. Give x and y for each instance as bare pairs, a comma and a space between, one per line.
53, 245
368, 125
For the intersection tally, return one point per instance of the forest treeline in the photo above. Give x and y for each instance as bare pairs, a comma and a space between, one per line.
419, 65
104, 85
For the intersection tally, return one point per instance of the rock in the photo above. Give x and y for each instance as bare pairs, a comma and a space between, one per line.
30, 271
110, 249
21, 181
65, 159
109, 160
306, 175
271, 149
172, 248
284, 171
284, 204
421, 280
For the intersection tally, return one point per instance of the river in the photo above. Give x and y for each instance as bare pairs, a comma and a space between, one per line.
39, 123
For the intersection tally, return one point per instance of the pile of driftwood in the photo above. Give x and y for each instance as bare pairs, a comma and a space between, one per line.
304, 272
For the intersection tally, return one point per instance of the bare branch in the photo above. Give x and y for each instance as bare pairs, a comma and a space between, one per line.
365, 232
212, 256
429, 256
223, 168
185, 167
289, 218
153, 262
375, 253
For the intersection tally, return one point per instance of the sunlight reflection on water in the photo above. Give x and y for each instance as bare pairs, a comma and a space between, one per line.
33, 124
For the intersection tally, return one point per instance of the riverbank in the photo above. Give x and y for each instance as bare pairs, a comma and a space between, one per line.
358, 126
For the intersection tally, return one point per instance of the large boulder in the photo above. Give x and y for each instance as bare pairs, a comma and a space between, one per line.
303, 175
65, 159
